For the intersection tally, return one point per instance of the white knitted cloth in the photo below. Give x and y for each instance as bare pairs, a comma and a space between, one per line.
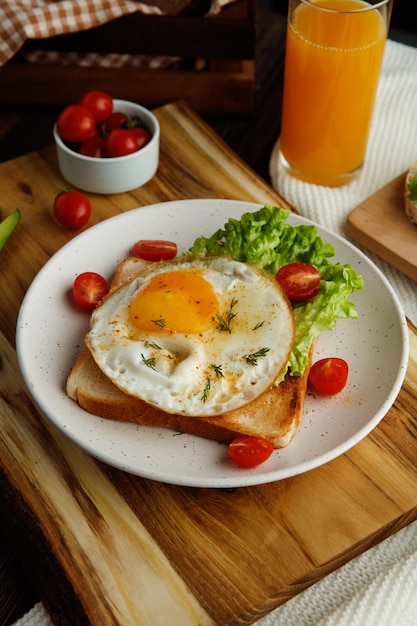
379, 587
392, 149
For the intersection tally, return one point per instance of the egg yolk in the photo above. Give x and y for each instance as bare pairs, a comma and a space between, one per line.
176, 302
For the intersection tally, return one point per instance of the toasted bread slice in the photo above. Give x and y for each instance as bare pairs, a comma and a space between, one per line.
274, 415
127, 270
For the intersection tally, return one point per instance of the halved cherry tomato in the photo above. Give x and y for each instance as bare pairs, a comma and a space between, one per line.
120, 142
142, 135
300, 281
88, 289
115, 120
72, 209
75, 123
93, 147
155, 249
99, 103
249, 451
329, 376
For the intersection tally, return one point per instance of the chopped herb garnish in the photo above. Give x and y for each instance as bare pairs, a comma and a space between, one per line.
258, 325
161, 323
206, 391
218, 370
149, 362
152, 344
252, 359
223, 321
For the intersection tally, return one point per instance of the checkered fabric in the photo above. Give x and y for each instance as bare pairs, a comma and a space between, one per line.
38, 19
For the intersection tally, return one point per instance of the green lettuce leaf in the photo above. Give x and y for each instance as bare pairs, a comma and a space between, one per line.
265, 239
412, 189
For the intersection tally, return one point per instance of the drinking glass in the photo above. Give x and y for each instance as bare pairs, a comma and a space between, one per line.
333, 58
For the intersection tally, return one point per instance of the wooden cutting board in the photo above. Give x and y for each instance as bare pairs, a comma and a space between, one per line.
381, 225
107, 548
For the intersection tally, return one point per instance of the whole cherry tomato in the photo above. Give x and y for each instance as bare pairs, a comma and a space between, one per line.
88, 290
249, 451
155, 249
115, 120
93, 147
75, 124
99, 103
300, 281
328, 376
121, 142
142, 135
72, 209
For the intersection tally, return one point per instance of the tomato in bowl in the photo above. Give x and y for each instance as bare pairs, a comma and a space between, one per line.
115, 174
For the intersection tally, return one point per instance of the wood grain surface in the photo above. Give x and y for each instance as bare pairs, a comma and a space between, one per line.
105, 547
381, 225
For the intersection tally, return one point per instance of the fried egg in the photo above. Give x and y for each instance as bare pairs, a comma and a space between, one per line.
199, 335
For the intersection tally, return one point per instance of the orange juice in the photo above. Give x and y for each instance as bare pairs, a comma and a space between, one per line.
332, 64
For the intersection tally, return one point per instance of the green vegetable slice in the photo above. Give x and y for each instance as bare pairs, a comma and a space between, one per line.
7, 226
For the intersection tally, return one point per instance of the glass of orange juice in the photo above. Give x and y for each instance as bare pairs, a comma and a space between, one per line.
333, 58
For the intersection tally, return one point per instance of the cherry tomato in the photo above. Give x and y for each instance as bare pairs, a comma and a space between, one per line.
142, 135
120, 142
99, 103
115, 120
93, 147
88, 290
75, 124
329, 376
300, 281
72, 209
249, 451
155, 249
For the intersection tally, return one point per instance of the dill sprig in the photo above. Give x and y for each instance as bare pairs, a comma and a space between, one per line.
152, 344
161, 323
206, 391
223, 321
218, 370
149, 362
252, 359
258, 325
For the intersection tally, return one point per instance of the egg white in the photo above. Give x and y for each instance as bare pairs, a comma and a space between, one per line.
198, 374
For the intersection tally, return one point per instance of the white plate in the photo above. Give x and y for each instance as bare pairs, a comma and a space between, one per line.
50, 335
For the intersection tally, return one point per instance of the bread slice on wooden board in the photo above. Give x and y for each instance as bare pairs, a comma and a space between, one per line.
274, 415
410, 205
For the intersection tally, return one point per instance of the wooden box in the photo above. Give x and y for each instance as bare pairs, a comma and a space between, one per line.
226, 42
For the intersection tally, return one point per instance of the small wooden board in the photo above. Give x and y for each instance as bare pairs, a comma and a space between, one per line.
381, 225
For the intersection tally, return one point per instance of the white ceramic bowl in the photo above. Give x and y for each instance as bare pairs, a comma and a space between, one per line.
117, 174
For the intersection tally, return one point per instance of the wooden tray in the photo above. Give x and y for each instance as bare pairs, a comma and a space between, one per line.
107, 548
381, 225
